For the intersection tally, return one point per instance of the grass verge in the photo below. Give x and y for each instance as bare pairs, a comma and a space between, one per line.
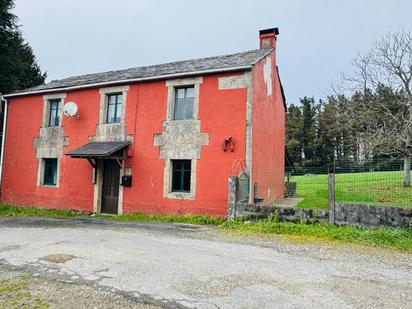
19, 211
203, 220
400, 239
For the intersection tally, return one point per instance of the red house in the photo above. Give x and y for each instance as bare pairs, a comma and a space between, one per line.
155, 139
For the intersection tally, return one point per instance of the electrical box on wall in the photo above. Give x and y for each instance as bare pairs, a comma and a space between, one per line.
126, 181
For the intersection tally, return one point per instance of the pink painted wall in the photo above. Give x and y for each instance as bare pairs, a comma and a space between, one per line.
222, 114
268, 133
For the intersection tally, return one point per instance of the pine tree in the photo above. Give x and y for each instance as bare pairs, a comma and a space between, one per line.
294, 125
18, 64
308, 138
326, 133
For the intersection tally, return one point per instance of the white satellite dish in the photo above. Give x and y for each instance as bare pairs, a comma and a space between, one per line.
70, 109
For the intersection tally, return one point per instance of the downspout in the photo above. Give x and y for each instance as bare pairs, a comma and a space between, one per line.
3, 141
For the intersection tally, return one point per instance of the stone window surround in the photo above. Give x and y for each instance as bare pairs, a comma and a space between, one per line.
172, 84
46, 108
45, 126
167, 183
104, 92
40, 173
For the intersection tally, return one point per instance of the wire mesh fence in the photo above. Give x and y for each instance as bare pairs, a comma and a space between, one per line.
379, 182
373, 185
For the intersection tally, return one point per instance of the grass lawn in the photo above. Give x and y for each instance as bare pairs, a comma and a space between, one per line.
375, 188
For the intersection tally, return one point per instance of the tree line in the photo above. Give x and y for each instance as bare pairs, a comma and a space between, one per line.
368, 117
323, 133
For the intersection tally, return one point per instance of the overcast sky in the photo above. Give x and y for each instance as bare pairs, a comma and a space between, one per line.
317, 40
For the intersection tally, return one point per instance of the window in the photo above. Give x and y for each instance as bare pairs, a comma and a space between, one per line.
114, 108
184, 98
50, 172
181, 175
54, 116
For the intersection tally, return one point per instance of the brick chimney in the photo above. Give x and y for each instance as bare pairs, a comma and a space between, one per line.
267, 38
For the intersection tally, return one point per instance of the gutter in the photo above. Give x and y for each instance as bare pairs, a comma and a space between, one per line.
3, 139
127, 81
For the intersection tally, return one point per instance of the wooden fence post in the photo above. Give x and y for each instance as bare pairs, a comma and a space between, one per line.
331, 187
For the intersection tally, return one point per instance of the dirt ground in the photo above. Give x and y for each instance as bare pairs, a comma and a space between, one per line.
23, 290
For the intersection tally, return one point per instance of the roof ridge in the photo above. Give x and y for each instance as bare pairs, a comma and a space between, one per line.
160, 64
227, 62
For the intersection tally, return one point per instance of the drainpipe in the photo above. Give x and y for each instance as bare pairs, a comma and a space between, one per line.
3, 140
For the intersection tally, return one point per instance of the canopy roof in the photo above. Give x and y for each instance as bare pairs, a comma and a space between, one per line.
97, 149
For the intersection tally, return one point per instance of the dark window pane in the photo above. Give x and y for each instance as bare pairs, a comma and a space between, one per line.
54, 115
176, 180
186, 164
181, 175
186, 181
114, 108
50, 172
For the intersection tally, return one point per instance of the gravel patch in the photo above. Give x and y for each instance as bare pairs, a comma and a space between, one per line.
19, 289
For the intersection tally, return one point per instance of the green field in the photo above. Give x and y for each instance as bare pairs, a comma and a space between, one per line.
374, 188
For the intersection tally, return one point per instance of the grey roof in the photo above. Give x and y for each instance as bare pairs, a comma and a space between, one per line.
225, 62
97, 149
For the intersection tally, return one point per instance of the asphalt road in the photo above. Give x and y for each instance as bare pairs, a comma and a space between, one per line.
185, 266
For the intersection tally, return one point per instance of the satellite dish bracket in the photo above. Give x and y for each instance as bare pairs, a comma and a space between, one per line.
75, 116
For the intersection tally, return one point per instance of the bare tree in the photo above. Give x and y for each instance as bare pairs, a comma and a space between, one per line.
386, 122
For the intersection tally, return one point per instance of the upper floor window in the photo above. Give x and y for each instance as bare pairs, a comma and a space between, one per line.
184, 99
54, 115
114, 107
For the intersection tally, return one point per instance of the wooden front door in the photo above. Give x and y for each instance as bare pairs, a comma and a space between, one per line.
110, 190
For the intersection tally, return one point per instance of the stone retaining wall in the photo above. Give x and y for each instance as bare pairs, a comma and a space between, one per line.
372, 216
289, 214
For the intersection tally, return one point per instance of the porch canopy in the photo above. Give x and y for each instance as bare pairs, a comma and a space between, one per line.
99, 150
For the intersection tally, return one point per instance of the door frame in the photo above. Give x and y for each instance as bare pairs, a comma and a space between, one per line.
98, 173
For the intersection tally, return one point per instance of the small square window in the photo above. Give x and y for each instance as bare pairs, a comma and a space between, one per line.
181, 175
114, 108
184, 100
50, 172
54, 114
